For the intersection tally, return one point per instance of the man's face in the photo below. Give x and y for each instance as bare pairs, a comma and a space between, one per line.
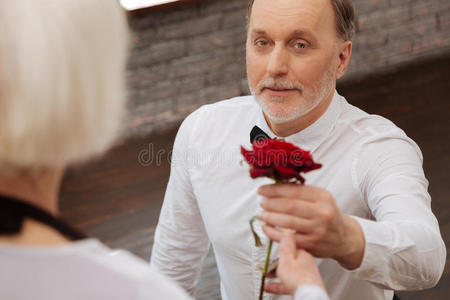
291, 56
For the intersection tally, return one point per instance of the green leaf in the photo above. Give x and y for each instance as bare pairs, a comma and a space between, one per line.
255, 235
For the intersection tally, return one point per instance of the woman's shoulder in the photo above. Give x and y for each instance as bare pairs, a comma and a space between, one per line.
136, 271
86, 267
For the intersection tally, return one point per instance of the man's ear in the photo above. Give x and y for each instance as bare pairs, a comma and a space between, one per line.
345, 52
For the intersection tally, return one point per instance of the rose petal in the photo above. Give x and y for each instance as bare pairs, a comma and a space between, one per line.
261, 172
278, 159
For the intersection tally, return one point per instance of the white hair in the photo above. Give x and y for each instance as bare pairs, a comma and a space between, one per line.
62, 89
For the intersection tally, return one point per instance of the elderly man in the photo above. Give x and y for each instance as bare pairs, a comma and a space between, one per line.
365, 215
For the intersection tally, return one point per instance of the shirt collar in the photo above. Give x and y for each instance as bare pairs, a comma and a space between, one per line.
312, 136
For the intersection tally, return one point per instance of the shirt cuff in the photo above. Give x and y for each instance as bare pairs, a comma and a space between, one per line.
376, 251
310, 292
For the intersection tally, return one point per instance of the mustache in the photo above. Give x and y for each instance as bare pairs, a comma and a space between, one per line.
278, 83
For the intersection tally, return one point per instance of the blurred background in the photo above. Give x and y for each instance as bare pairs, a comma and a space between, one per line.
192, 52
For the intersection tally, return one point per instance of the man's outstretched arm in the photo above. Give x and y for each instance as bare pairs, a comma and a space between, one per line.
401, 249
404, 249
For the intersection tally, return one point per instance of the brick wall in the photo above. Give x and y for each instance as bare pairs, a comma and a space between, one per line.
194, 54
391, 33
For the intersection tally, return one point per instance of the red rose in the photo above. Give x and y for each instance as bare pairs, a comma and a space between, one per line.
279, 160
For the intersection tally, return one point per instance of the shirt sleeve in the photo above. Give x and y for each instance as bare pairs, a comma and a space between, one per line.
181, 242
310, 292
404, 249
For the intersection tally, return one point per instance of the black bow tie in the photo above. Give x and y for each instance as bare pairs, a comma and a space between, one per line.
257, 134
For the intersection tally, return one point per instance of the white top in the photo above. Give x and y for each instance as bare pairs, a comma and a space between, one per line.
310, 292
80, 270
373, 170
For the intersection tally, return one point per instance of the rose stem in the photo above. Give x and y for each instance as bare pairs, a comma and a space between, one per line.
266, 266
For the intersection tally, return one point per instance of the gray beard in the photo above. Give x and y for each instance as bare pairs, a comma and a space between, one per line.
318, 93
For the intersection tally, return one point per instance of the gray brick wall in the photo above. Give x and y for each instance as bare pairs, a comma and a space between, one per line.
391, 33
195, 54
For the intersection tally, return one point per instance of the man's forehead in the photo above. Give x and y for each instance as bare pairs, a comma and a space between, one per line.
306, 14
288, 5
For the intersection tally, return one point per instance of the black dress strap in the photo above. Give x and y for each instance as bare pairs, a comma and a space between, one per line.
13, 212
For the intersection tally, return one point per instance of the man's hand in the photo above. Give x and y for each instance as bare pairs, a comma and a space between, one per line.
320, 227
295, 268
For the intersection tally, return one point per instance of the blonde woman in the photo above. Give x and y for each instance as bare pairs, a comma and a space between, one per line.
61, 101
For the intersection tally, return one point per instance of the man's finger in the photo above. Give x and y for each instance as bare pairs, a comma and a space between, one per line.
286, 190
288, 221
290, 206
301, 240
272, 233
275, 288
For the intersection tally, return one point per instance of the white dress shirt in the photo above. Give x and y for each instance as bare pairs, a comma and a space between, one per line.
372, 169
84, 270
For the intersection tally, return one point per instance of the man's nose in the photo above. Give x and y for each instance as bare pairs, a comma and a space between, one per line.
278, 62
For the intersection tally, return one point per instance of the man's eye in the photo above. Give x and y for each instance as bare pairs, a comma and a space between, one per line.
300, 45
261, 43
